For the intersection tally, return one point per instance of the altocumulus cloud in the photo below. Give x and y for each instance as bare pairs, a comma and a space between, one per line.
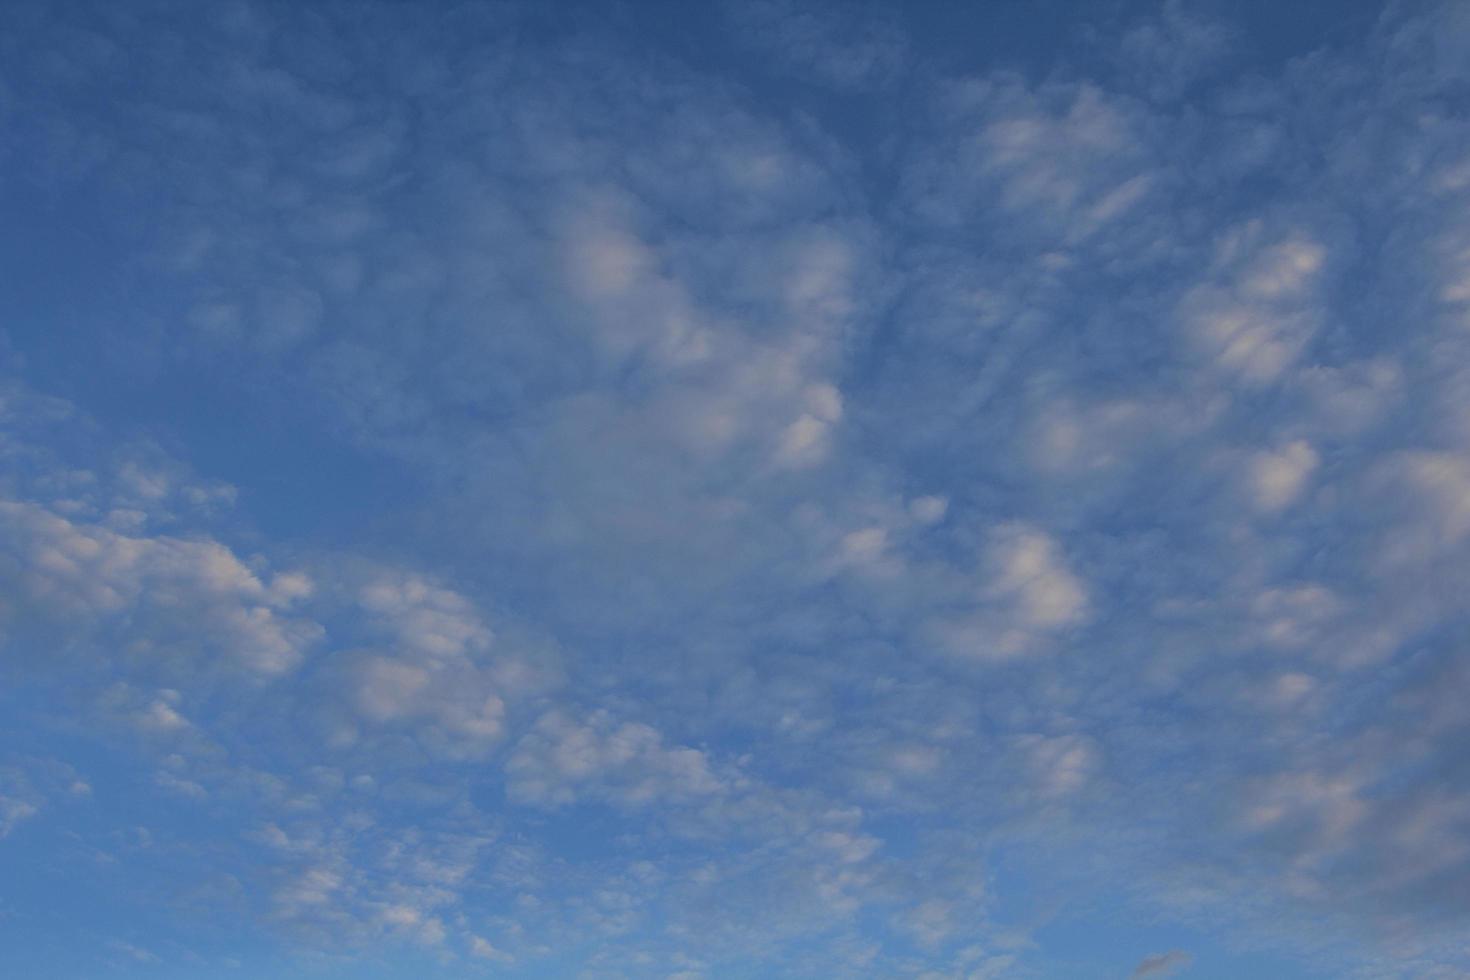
764, 489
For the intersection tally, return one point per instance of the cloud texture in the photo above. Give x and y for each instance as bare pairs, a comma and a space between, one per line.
765, 490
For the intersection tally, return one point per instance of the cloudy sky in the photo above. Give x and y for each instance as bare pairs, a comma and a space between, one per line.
748, 490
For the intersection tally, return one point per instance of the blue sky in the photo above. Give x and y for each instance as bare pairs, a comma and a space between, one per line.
753, 489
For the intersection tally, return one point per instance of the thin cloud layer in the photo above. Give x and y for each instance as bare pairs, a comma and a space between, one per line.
765, 490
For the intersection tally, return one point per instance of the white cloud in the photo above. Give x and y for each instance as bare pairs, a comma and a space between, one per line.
1026, 598
1278, 478
407, 920
14, 810
87, 574
439, 674
177, 784
436, 622
562, 760
161, 715
1060, 765
1350, 399
1287, 692
803, 442
1029, 575
1436, 487
462, 704
314, 887
1260, 312
29, 785
849, 848
481, 948
675, 420
929, 509
1297, 616
1071, 158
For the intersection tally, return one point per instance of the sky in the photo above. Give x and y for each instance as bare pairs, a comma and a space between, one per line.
734, 490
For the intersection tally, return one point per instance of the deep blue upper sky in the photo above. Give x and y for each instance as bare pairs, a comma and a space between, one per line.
753, 489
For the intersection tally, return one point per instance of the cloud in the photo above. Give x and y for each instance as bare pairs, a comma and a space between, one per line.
563, 759
556, 494
85, 574
1069, 157
1278, 477
482, 949
1162, 964
13, 811
1063, 764
1026, 596
1180, 47
30, 785
855, 49
1257, 321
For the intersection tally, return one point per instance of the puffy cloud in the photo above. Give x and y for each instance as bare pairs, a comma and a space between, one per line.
1149, 359
1277, 478
85, 575
432, 670
1027, 597
564, 759
462, 703
435, 622
1256, 319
